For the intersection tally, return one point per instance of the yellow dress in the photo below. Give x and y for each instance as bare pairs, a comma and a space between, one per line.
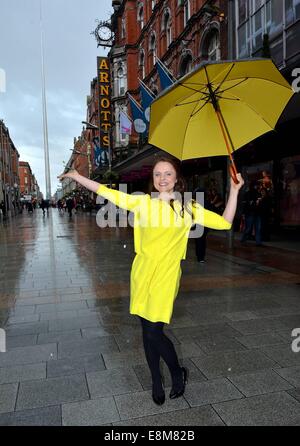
160, 243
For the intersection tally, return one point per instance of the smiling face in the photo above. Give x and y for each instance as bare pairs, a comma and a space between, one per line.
164, 177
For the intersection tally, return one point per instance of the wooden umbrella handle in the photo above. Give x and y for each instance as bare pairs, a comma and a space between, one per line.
232, 168
233, 172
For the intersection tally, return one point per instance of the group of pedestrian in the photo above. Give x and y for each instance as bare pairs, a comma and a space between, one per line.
71, 203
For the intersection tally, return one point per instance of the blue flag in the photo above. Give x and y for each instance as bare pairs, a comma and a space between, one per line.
146, 98
165, 77
138, 117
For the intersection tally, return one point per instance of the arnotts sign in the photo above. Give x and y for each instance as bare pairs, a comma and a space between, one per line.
104, 92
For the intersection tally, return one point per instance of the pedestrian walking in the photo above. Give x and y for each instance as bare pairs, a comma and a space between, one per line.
70, 206
160, 245
200, 242
252, 214
43, 206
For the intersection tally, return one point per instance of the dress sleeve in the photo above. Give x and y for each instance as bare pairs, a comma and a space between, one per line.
209, 219
121, 199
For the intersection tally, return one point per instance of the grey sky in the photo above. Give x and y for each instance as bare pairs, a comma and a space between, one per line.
70, 65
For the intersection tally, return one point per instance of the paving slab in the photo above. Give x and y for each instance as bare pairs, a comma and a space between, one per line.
58, 315
112, 382
229, 363
23, 319
209, 392
105, 344
22, 373
290, 374
29, 355
260, 340
265, 381
59, 336
43, 416
257, 326
196, 416
283, 355
21, 341
66, 306
95, 412
8, 395
27, 329
275, 409
97, 332
219, 344
74, 366
124, 359
53, 391
140, 404
74, 323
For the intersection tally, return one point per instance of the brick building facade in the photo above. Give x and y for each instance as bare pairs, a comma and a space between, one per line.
181, 34
9, 175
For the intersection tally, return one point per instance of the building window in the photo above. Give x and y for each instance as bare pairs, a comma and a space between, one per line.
166, 25
275, 18
292, 11
153, 2
140, 15
152, 46
26, 180
121, 81
142, 63
123, 28
187, 11
210, 48
185, 64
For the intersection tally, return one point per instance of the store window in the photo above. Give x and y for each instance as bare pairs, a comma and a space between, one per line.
290, 191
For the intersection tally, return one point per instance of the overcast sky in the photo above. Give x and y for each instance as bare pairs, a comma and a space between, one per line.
70, 65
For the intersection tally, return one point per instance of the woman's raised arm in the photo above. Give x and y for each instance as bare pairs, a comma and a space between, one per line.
121, 199
85, 182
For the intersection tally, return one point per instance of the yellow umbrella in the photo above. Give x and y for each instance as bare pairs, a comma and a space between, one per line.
219, 108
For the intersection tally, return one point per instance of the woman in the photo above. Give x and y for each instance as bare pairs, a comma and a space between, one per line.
162, 225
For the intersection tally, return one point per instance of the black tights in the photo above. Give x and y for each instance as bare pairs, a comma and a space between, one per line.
156, 345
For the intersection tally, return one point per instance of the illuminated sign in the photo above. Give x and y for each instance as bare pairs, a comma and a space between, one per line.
105, 115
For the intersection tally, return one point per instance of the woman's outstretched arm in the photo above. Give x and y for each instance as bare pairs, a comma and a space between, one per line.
85, 182
126, 201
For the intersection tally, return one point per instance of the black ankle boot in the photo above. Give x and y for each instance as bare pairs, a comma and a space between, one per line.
177, 393
158, 395
159, 399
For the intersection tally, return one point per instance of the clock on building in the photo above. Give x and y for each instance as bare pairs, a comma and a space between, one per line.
104, 34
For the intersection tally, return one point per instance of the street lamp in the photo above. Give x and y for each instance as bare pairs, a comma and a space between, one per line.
90, 125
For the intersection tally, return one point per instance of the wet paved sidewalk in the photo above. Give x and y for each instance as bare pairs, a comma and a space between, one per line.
74, 354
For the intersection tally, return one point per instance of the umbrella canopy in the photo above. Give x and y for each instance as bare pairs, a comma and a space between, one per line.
218, 108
